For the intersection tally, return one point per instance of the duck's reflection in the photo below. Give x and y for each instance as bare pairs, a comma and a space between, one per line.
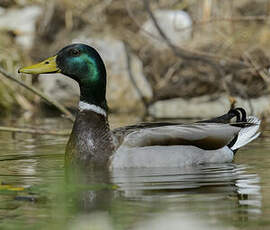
226, 179
204, 189
90, 189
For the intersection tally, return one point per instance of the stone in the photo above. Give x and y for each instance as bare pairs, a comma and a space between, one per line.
176, 24
22, 22
2, 11
61, 88
205, 107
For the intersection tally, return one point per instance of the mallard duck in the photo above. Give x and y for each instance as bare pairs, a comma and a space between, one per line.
144, 145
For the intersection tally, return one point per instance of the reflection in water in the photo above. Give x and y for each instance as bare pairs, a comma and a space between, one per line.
166, 198
224, 179
91, 188
209, 189
197, 197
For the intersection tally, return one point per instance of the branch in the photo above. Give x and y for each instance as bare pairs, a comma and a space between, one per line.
39, 93
179, 51
34, 131
131, 77
209, 55
226, 19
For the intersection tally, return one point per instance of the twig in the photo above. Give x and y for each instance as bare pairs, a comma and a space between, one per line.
207, 7
261, 73
131, 77
34, 131
39, 93
257, 69
226, 19
138, 24
167, 77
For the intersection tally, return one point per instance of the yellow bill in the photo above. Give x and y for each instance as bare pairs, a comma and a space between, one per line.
47, 66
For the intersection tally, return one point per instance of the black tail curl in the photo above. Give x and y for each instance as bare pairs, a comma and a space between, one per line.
239, 113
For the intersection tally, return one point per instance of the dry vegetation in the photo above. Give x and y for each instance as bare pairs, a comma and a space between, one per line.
228, 51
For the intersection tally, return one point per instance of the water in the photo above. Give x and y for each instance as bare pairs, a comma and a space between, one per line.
36, 194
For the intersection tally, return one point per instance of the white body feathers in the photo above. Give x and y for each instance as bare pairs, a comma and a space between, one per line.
168, 156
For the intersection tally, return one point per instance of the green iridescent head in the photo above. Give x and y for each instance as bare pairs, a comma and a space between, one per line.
81, 63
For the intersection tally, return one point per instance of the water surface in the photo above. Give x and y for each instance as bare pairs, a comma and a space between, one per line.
35, 192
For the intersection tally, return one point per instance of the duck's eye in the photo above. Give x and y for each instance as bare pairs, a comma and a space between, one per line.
75, 52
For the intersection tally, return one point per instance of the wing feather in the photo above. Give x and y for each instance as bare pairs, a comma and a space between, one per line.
208, 136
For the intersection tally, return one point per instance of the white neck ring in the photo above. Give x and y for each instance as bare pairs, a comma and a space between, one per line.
97, 109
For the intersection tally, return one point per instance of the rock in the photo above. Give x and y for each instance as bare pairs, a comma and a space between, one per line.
22, 22
205, 107
2, 11
61, 88
121, 95
172, 22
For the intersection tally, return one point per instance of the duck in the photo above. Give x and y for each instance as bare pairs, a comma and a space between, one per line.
144, 145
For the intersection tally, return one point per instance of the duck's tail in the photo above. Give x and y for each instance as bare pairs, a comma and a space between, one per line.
246, 134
